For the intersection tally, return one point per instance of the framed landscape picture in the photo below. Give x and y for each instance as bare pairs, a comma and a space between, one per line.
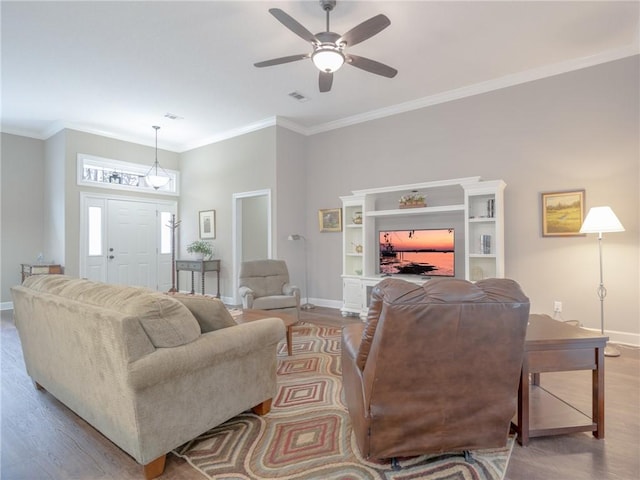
562, 213
207, 222
330, 219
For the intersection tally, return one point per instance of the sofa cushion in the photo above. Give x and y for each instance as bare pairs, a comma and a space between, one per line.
275, 302
166, 321
210, 312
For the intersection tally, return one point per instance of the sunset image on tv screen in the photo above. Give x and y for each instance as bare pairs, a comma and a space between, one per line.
417, 252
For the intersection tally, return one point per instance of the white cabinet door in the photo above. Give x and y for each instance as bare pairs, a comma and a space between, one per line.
352, 296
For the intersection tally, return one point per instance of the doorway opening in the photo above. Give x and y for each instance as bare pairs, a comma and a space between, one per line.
252, 230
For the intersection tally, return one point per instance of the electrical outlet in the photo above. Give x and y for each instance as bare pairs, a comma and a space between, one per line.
557, 306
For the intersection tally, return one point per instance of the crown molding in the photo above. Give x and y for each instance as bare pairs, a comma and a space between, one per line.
483, 87
236, 132
22, 133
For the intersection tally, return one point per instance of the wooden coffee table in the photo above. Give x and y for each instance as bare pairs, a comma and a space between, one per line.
249, 315
553, 346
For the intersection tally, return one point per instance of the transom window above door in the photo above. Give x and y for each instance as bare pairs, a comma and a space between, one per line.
115, 174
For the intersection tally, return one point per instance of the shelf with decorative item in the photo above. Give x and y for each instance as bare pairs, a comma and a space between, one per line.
414, 199
415, 211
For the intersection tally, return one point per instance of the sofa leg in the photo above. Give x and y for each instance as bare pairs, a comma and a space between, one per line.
262, 408
154, 468
38, 386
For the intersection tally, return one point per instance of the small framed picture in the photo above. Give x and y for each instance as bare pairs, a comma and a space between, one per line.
562, 213
207, 224
330, 219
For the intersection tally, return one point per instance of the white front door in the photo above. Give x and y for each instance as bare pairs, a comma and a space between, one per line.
132, 243
127, 242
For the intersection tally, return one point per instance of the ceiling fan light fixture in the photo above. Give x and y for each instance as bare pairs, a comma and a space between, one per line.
328, 58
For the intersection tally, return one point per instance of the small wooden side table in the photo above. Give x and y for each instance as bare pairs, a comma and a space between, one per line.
553, 346
28, 269
201, 266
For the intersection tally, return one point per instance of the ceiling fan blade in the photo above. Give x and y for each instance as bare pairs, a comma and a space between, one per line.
293, 25
365, 30
325, 81
371, 66
278, 61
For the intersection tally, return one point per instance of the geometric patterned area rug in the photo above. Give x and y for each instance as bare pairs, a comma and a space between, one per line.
307, 434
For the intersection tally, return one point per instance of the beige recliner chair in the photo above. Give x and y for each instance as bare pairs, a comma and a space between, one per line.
264, 285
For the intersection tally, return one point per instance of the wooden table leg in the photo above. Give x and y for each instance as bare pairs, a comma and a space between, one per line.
597, 382
192, 278
535, 379
523, 405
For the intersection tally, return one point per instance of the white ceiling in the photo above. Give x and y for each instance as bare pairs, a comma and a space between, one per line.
116, 68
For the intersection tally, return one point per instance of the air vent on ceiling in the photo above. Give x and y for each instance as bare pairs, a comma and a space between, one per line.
173, 116
298, 96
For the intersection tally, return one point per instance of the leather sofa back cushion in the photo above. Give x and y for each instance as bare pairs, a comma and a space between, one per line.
210, 313
438, 290
166, 321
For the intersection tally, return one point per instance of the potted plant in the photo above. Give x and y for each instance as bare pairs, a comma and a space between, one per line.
201, 248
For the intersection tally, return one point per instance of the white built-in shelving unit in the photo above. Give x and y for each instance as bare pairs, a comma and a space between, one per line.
472, 207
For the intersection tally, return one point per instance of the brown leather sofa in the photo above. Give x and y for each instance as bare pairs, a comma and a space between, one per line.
435, 368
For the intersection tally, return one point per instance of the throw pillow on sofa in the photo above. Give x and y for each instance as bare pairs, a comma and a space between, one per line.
210, 313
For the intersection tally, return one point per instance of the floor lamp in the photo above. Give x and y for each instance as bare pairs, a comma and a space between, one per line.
600, 220
295, 237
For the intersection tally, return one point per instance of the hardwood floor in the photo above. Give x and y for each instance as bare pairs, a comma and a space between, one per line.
43, 440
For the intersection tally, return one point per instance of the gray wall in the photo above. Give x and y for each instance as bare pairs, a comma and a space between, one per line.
255, 228
22, 208
291, 201
572, 131
210, 176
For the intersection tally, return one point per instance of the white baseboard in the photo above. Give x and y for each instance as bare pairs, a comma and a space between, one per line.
622, 338
6, 305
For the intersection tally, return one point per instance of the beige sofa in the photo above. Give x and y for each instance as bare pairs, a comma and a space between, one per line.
148, 370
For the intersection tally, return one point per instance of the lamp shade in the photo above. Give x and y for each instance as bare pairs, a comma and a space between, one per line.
156, 178
327, 59
600, 220
157, 181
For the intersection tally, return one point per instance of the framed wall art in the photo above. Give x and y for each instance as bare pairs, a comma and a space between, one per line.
207, 221
562, 213
330, 219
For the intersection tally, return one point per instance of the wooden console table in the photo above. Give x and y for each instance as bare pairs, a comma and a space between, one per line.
28, 269
201, 266
553, 346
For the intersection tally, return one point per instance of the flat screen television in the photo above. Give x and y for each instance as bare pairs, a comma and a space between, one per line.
428, 252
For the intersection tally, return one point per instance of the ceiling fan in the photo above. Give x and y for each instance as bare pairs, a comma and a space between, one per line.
328, 53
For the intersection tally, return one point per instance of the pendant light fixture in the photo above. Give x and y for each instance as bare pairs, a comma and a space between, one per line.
157, 176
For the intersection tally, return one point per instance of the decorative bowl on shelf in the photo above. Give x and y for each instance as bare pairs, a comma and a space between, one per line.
412, 200
357, 218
